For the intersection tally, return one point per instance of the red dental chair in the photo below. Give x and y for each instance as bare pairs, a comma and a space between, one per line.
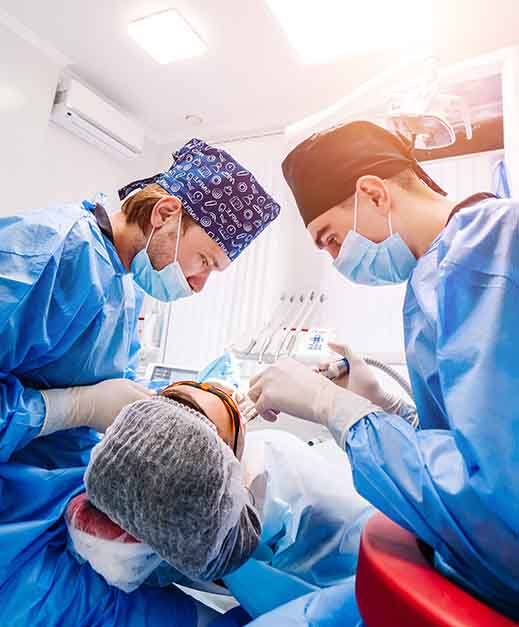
397, 586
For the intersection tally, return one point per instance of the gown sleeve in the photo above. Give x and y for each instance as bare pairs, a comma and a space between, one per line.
40, 301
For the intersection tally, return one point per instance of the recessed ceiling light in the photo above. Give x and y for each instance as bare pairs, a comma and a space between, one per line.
326, 30
166, 36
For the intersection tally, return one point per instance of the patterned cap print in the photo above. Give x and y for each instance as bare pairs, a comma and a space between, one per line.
221, 195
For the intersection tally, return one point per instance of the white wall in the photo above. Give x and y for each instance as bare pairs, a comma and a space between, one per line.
41, 164
510, 117
240, 299
463, 176
283, 259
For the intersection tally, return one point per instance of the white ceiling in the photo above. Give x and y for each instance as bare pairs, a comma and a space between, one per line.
250, 80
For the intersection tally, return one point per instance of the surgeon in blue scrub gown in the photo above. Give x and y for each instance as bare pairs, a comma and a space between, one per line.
68, 351
453, 482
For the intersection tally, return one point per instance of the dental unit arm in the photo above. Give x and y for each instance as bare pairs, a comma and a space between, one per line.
285, 335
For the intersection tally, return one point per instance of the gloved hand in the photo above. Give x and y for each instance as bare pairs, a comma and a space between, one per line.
245, 405
243, 402
289, 386
93, 406
362, 380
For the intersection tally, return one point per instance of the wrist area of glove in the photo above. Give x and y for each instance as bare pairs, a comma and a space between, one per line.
390, 403
347, 409
58, 407
63, 410
400, 407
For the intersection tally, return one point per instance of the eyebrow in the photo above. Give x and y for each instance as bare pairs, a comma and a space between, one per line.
211, 256
319, 235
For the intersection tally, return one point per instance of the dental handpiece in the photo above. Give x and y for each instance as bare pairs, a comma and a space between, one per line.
336, 369
407, 411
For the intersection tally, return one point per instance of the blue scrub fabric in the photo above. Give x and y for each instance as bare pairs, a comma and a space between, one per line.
312, 520
332, 607
68, 316
454, 482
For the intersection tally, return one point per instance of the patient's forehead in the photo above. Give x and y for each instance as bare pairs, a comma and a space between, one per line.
214, 409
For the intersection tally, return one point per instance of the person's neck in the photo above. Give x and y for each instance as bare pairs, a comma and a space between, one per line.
128, 238
425, 220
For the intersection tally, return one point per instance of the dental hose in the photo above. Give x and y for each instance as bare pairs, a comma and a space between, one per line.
391, 372
407, 411
342, 366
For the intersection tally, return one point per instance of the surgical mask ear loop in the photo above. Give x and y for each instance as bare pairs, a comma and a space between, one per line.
355, 212
355, 207
178, 237
149, 240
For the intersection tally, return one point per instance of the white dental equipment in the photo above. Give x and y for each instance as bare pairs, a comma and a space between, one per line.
285, 335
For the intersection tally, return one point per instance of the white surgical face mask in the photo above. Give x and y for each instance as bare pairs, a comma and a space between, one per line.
365, 262
168, 284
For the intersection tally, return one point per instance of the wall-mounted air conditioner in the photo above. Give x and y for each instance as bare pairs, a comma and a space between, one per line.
82, 112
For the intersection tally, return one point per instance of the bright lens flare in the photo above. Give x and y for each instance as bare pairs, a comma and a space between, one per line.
325, 30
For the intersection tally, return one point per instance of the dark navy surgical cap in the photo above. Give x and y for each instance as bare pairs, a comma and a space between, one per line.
323, 170
221, 195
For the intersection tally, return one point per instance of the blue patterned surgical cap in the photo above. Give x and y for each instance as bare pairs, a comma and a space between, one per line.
221, 195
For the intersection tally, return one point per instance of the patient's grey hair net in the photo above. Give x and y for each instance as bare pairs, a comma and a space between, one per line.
164, 475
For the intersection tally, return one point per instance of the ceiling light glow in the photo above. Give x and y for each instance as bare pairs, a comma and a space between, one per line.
326, 30
166, 36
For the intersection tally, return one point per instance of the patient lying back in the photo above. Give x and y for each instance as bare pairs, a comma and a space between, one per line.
168, 473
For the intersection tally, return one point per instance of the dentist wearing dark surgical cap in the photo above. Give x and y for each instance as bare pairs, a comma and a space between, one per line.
365, 199
71, 281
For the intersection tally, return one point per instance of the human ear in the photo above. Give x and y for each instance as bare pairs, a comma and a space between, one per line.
163, 210
377, 192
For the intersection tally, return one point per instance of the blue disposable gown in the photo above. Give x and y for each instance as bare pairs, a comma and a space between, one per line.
68, 315
454, 482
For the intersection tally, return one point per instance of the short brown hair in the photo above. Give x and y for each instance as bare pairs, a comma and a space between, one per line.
138, 207
406, 179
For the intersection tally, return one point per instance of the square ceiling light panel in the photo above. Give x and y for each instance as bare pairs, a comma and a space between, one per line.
166, 36
322, 31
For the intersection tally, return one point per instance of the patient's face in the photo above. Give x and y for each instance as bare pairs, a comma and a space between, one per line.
217, 412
